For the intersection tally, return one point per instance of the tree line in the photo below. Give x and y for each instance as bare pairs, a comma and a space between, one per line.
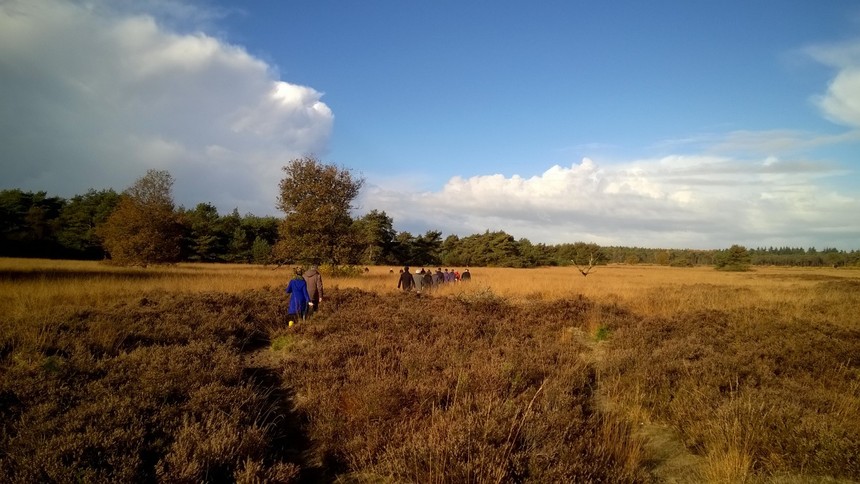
33, 224
141, 226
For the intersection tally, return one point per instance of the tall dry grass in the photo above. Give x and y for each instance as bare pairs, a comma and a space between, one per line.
758, 372
28, 286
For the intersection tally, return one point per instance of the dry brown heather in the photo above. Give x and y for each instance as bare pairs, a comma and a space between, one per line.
633, 374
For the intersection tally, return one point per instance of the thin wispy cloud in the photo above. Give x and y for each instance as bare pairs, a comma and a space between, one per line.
780, 141
841, 101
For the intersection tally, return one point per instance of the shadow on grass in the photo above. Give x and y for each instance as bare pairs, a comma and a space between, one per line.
53, 275
288, 429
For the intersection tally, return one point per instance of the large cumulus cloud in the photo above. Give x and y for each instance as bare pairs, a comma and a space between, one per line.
674, 201
94, 96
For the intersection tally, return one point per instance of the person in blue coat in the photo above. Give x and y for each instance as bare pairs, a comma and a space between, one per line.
299, 298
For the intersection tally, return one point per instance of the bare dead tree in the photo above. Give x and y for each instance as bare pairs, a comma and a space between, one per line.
585, 270
586, 257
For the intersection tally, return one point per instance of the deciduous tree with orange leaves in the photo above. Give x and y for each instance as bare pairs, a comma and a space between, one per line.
317, 199
144, 229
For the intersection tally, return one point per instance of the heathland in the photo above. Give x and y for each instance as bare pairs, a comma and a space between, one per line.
632, 374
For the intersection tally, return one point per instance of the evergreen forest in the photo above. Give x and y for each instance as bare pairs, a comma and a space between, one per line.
36, 224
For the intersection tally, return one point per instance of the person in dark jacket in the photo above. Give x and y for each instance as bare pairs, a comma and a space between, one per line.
438, 277
299, 298
428, 280
466, 276
313, 278
405, 281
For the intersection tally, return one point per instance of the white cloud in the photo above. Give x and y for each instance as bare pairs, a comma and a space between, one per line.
841, 102
93, 97
778, 141
675, 201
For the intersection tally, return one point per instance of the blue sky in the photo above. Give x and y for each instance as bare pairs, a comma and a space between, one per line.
659, 124
519, 86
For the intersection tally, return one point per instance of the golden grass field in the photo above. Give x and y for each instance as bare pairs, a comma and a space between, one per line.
631, 374
645, 289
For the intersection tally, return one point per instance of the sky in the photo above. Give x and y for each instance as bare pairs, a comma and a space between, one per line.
663, 124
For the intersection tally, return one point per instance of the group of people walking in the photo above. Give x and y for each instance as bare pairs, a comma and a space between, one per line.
425, 279
305, 289
306, 293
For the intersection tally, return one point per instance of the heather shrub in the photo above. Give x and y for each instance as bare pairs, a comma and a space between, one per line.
330, 270
766, 398
153, 389
452, 389
473, 382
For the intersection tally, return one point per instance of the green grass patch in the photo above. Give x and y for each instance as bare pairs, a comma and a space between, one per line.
283, 342
602, 333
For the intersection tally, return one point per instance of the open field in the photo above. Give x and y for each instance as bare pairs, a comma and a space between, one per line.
29, 285
633, 374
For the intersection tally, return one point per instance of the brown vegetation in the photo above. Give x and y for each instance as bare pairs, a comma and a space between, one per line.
189, 374
450, 390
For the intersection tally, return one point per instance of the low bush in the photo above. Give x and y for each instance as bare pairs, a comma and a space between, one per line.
463, 385
409, 389
767, 398
153, 390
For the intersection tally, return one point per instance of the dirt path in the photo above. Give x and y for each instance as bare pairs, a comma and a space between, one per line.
664, 453
666, 457
263, 366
